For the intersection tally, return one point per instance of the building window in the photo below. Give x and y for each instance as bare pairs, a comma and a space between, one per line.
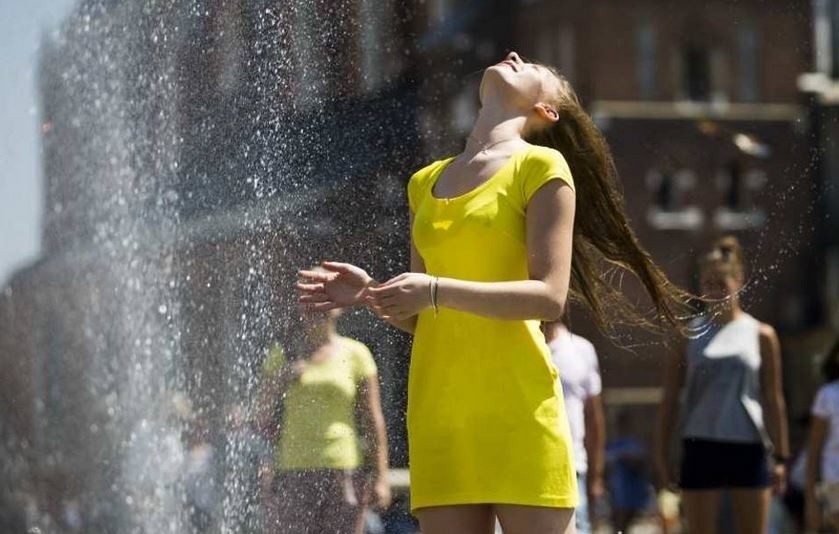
230, 48
545, 45
438, 10
556, 48
734, 186
823, 40
645, 38
747, 42
737, 187
372, 14
834, 38
310, 83
566, 53
669, 209
666, 193
704, 73
696, 73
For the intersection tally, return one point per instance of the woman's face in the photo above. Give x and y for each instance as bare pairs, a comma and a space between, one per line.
718, 282
518, 83
316, 320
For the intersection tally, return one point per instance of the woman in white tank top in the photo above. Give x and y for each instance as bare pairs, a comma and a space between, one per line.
733, 415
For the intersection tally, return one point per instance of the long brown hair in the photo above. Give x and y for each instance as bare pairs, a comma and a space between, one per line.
603, 240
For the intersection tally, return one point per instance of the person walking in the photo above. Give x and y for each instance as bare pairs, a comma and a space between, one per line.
496, 250
733, 413
579, 371
328, 395
822, 482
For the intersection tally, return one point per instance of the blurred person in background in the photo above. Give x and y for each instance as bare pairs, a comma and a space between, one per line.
628, 466
822, 488
733, 414
579, 373
252, 451
201, 476
327, 390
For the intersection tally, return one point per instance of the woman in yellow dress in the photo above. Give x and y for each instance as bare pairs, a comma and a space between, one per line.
495, 250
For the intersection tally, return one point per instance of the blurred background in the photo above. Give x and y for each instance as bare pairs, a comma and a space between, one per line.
169, 165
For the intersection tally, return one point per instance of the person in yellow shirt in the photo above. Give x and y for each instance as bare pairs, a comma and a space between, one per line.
497, 249
321, 393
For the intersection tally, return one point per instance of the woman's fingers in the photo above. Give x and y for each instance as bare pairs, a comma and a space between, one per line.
321, 306
338, 267
309, 288
314, 297
315, 276
383, 291
384, 298
394, 280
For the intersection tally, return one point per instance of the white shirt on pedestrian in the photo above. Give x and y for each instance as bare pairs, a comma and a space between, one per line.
576, 361
826, 406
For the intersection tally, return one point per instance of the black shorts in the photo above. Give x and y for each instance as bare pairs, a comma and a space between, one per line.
708, 464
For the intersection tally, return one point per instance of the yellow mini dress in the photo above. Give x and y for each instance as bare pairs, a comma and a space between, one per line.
486, 420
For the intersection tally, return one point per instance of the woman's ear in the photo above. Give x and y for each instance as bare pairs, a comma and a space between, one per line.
546, 112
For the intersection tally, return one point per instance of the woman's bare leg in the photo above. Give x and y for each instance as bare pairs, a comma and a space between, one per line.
751, 509
702, 509
460, 518
517, 519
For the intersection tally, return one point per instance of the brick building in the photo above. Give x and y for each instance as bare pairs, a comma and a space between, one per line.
701, 107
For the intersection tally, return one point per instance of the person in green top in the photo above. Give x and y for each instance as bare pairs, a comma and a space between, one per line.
332, 424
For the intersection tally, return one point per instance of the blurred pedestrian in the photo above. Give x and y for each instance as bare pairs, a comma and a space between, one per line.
495, 250
734, 415
579, 373
822, 489
328, 389
630, 488
201, 477
246, 451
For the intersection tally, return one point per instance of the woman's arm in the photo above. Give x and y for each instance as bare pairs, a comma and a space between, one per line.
674, 378
773, 399
819, 428
595, 444
375, 436
272, 390
550, 224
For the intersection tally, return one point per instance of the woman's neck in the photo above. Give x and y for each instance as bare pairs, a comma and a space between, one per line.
495, 124
316, 339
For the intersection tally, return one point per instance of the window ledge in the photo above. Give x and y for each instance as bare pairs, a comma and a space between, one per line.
729, 219
689, 218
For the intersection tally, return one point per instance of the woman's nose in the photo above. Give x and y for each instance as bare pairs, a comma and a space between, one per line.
512, 56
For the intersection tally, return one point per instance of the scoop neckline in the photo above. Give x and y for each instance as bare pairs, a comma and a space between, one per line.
478, 187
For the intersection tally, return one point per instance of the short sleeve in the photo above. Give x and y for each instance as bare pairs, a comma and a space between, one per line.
822, 405
274, 361
365, 366
542, 165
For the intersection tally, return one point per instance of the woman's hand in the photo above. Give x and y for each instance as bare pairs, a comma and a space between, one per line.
344, 285
401, 297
